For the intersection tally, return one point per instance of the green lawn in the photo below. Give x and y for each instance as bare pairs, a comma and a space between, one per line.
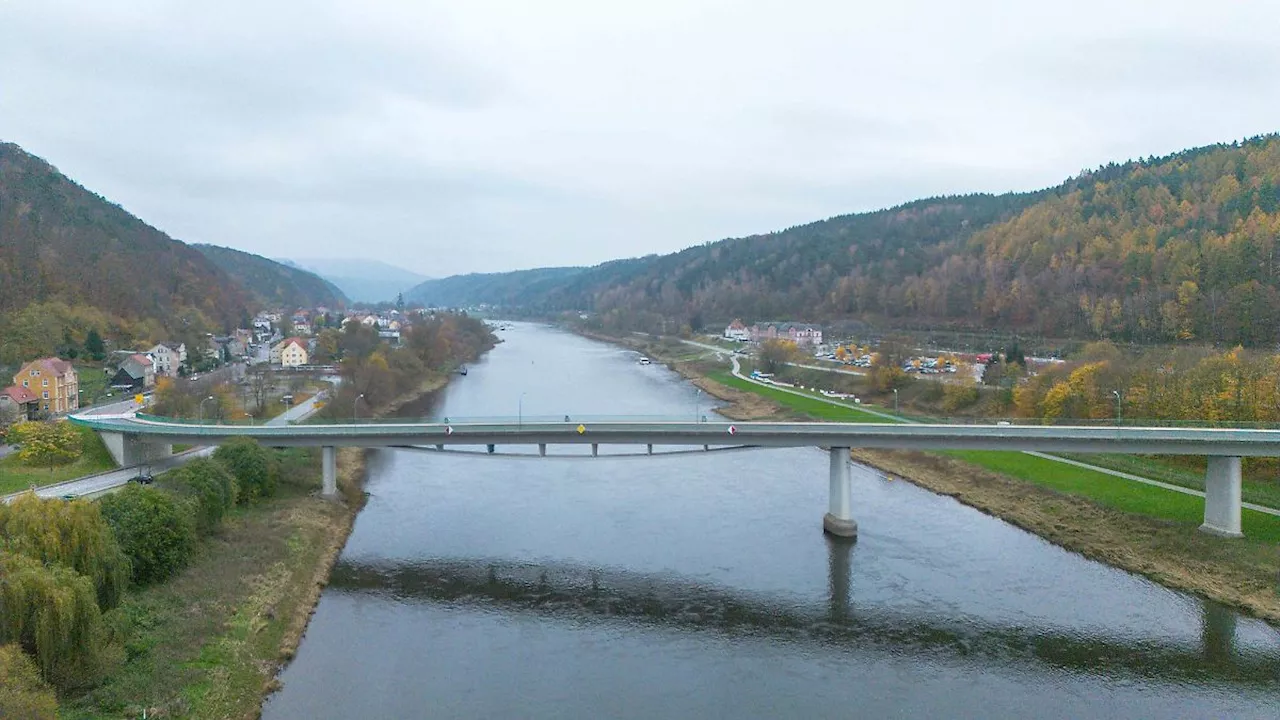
1106, 490
16, 475
811, 406
93, 384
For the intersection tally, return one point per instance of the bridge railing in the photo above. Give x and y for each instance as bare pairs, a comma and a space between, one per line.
587, 418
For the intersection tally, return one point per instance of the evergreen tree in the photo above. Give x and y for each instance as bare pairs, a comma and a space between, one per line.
94, 346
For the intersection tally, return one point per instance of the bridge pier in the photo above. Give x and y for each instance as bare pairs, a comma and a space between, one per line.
1222, 497
839, 518
129, 449
329, 471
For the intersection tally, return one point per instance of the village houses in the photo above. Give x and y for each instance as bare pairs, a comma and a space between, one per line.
136, 372
52, 381
290, 352
167, 357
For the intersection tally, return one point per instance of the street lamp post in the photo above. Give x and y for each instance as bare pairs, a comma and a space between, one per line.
895, 402
520, 411
697, 401
202, 402
1117, 394
355, 406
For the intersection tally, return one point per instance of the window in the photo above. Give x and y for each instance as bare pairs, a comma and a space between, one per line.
46, 382
33, 373
46, 394
25, 383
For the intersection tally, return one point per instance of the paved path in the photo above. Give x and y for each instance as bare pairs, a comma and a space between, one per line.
94, 485
1044, 456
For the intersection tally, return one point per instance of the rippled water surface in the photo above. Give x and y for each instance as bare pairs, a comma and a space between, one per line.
702, 586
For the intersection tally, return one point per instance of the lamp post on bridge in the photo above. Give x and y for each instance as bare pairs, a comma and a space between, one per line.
895, 402
697, 402
355, 407
202, 402
1117, 394
520, 410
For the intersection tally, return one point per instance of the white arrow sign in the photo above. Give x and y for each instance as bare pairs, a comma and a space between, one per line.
733, 430
448, 430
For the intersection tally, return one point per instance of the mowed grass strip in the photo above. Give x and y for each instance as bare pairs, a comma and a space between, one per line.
1104, 489
811, 406
16, 475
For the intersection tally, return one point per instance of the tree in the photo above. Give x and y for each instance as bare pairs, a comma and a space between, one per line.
208, 485
260, 384
94, 346
251, 466
47, 443
50, 611
155, 531
774, 354
73, 534
285, 326
22, 693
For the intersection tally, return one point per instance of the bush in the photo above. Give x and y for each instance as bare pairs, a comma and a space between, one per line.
209, 486
156, 531
73, 534
959, 396
298, 467
251, 465
22, 693
52, 613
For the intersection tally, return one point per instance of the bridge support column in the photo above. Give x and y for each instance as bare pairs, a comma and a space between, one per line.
542, 449
839, 518
1222, 497
329, 472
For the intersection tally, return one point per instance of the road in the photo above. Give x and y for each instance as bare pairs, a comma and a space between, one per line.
1043, 456
100, 483
95, 485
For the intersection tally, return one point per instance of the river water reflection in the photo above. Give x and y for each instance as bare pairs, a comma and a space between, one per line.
703, 586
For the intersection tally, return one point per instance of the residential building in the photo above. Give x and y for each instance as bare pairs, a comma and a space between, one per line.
167, 357
17, 404
737, 331
798, 333
137, 372
293, 352
53, 381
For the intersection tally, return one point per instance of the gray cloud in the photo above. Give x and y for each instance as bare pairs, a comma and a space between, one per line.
452, 137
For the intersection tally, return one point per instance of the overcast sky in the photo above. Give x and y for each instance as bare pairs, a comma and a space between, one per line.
469, 135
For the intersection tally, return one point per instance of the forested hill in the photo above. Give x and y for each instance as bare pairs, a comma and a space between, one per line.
274, 284
1181, 247
519, 288
60, 242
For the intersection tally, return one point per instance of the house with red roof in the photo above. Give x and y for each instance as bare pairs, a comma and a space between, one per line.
54, 383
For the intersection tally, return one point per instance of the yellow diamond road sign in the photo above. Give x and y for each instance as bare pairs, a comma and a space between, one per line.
582, 429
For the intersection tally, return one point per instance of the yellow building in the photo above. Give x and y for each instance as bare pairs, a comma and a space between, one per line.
293, 353
54, 383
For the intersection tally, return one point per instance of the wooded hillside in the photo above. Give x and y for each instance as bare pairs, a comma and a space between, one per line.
60, 242
1175, 248
274, 284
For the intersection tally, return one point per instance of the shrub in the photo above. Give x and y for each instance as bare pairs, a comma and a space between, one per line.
157, 532
22, 693
959, 396
52, 613
251, 465
210, 487
73, 534
298, 467
47, 443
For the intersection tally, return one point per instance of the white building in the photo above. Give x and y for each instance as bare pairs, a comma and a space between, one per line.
294, 353
737, 331
167, 357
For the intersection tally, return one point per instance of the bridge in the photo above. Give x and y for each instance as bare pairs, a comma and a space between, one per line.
138, 438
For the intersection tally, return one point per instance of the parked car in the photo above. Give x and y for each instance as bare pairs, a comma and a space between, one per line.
143, 478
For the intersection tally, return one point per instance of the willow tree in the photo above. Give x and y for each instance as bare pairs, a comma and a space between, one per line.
72, 534
52, 612
22, 693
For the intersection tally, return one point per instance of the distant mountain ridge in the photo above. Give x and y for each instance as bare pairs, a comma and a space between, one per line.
361, 279
275, 284
1184, 247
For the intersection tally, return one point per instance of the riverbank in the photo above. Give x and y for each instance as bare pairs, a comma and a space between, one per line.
208, 643
1238, 573
211, 642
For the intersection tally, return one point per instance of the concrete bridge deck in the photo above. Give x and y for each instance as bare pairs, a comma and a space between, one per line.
134, 434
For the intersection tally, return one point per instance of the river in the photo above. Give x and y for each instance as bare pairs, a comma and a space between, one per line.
703, 586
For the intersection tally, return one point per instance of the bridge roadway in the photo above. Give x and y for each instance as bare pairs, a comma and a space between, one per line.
1224, 446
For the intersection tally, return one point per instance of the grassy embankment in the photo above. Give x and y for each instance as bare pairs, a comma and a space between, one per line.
16, 475
209, 643
1136, 527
